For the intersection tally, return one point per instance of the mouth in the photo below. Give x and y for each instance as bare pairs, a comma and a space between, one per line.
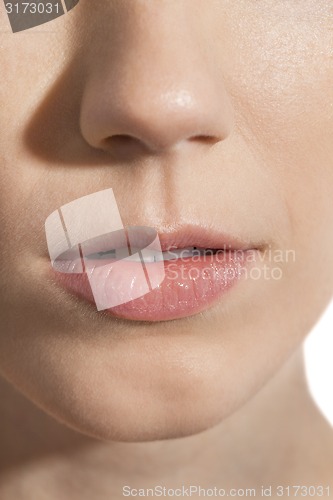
200, 266
151, 257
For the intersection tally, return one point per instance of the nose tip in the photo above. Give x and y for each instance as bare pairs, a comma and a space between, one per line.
150, 89
146, 118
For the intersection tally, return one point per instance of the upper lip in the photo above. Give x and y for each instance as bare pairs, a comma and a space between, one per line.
199, 236
190, 235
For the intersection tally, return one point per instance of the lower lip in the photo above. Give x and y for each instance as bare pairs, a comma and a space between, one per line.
189, 287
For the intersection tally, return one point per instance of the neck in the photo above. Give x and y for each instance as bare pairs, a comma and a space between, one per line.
270, 440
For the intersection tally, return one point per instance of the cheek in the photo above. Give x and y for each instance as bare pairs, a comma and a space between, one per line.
283, 96
281, 81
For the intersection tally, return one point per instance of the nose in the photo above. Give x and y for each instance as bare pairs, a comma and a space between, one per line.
149, 86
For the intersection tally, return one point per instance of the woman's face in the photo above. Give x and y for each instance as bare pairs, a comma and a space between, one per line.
216, 113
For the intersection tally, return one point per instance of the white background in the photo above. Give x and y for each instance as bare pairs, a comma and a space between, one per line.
318, 352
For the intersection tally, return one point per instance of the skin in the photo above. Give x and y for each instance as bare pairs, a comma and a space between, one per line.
221, 115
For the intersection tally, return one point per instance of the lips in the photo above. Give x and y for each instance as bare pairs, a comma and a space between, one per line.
201, 237
195, 278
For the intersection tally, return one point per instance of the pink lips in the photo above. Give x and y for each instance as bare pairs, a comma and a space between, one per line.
191, 284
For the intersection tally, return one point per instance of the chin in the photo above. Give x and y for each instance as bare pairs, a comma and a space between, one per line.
144, 426
138, 410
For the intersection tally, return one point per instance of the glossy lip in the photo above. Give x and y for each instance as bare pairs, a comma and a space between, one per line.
204, 237
190, 286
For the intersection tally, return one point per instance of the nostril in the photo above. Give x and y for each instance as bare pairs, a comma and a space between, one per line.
205, 139
123, 144
120, 139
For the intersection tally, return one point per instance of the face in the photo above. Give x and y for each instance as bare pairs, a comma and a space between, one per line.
217, 114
